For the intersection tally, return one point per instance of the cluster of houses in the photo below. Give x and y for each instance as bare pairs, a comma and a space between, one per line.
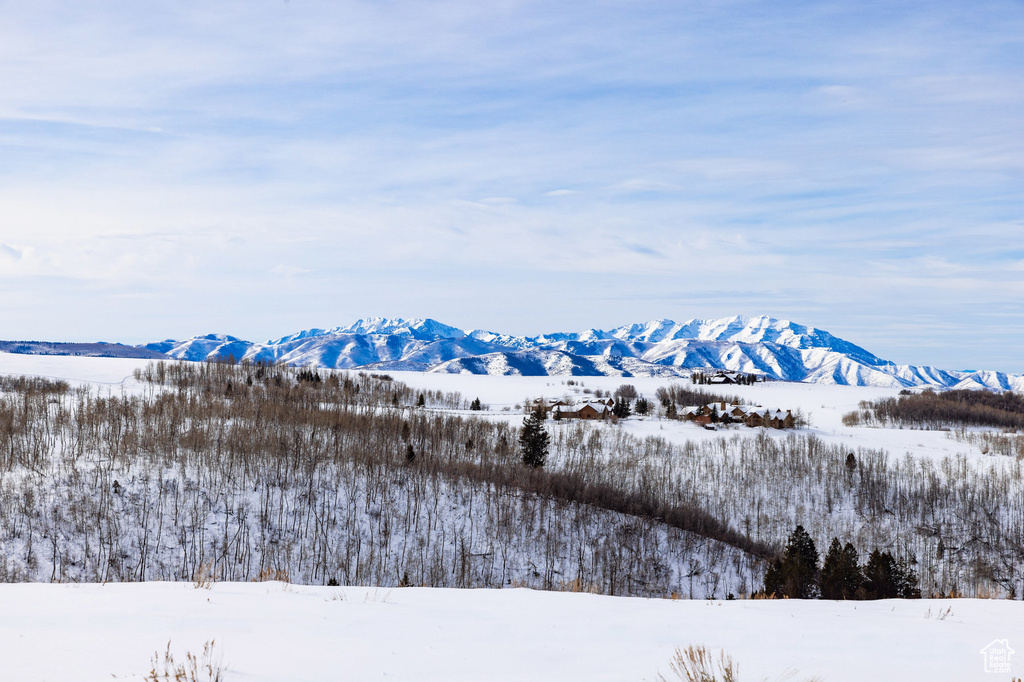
704, 415
586, 408
749, 415
725, 377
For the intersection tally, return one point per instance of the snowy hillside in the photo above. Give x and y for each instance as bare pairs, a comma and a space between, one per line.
762, 345
236, 498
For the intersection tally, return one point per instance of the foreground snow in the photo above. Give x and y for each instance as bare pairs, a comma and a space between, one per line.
274, 631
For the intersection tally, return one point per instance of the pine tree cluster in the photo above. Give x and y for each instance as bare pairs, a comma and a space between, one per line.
796, 574
621, 408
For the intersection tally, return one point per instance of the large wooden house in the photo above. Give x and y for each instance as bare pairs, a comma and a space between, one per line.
749, 415
596, 408
546, 405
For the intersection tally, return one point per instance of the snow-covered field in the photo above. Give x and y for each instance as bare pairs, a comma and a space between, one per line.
276, 632
823, 404
77, 370
273, 631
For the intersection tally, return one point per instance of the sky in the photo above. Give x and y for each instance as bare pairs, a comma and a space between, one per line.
261, 167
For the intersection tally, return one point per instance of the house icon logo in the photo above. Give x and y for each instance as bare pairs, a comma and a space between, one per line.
997, 656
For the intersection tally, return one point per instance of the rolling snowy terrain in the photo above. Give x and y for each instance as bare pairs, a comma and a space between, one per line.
275, 631
762, 345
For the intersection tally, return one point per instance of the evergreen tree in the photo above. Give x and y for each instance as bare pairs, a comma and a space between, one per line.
840, 574
878, 574
421, 401
621, 409
906, 581
670, 411
795, 575
886, 578
533, 441
774, 580
475, 405
643, 406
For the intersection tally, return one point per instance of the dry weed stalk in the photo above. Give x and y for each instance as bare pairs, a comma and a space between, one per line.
696, 664
204, 576
272, 574
209, 667
577, 585
377, 597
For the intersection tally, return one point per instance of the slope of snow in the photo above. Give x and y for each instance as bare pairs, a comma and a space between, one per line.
275, 631
740, 329
997, 380
553, 363
74, 369
418, 328
204, 347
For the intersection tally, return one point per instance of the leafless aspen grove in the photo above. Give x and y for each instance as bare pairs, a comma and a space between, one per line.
235, 472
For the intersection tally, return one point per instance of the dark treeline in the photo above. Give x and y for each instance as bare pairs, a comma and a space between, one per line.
943, 410
239, 472
33, 385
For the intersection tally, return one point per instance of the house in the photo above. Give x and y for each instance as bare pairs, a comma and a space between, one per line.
593, 411
773, 419
690, 413
750, 415
546, 405
585, 409
782, 420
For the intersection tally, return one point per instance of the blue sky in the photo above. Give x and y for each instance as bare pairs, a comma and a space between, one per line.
256, 168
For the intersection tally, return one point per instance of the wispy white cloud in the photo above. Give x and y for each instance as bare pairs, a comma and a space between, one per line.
10, 253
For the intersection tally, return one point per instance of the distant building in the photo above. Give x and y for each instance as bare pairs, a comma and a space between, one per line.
546, 405
595, 408
749, 415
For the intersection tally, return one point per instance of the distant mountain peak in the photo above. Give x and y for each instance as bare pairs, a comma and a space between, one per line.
780, 349
400, 325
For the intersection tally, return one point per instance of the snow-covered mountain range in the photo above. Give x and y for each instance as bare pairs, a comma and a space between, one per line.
761, 345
